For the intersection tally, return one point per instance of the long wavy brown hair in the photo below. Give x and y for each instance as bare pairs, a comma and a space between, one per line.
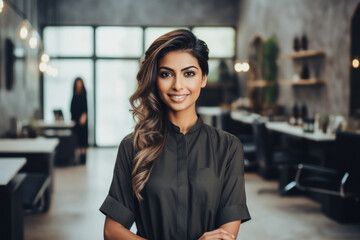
149, 112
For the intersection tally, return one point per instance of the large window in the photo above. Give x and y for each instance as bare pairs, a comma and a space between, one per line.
220, 40
69, 41
119, 41
107, 58
115, 82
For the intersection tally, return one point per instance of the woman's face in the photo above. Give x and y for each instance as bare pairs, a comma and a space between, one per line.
179, 81
78, 86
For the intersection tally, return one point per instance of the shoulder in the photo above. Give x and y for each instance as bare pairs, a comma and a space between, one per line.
127, 140
223, 137
125, 151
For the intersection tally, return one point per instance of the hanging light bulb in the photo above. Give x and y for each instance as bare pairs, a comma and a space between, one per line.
45, 58
52, 71
24, 29
355, 63
241, 67
1, 5
238, 67
245, 67
34, 39
43, 67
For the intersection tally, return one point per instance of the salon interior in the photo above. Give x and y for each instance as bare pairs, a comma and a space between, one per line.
284, 78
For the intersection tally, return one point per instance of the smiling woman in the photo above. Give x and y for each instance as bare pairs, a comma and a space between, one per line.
175, 176
179, 82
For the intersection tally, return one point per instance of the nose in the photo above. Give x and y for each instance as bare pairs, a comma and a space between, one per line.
177, 83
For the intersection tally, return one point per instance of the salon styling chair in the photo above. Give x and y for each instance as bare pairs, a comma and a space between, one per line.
269, 155
249, 151
340, 183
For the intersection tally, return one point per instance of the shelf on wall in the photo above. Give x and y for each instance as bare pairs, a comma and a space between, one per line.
304, 54
219, 85
259, 83
302, 82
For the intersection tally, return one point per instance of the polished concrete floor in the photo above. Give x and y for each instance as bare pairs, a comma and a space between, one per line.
80, 190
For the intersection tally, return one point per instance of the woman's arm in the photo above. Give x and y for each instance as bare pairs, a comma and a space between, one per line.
83, 118
115, 231
232, 227
227, 231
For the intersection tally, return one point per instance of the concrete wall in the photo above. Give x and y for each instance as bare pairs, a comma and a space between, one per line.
141, 12
23, 99
327, 25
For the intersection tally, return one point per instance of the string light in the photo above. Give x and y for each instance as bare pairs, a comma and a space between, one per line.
355, 63
34, 39
246, 67
43, 67
52, 71
45, 58
242, 67
238, 67
1, 5
24, 29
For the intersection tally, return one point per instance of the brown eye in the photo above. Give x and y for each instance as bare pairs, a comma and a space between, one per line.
189, 74
165, 74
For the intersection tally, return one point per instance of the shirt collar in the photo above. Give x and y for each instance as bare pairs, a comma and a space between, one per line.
193, 129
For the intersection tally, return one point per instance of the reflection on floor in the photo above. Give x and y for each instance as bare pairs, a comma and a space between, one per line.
80, 190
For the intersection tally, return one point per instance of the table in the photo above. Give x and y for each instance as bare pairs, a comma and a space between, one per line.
62, 130
9, 146
245, 117
54, 125
284, 127
39, 153
11, 202
9, 167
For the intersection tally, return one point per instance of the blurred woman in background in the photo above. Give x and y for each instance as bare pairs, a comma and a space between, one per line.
80, 117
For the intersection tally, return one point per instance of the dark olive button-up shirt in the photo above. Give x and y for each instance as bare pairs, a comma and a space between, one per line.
196, 185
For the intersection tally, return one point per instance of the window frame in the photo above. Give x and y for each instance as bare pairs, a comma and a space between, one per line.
95, 58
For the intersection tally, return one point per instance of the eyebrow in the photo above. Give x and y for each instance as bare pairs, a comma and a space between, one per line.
170, 69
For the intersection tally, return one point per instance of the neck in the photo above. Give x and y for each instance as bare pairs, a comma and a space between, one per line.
183, 120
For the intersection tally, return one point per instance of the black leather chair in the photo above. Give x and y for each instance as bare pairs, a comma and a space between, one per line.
269, 155
340, 182
249, 147
244, 132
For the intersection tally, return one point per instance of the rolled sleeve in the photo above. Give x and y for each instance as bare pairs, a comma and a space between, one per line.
120, 203
117, 211
232, 213
233, 198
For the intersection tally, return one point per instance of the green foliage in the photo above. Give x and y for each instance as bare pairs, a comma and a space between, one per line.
269, 69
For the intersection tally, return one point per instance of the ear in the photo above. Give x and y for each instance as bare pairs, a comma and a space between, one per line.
203, 81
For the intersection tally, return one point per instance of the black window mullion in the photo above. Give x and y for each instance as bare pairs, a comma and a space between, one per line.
94, 59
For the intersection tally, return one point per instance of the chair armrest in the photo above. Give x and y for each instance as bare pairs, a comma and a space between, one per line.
317, 169
312, 170
340, 180
35, 185
350, 181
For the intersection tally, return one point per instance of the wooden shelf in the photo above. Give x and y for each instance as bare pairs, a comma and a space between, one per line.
259, 83
304, 54
302, 82
219, 85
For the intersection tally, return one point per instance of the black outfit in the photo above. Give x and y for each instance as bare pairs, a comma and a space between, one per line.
196, 185
78, 107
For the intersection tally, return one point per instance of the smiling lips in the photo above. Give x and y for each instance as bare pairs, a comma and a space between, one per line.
178, 98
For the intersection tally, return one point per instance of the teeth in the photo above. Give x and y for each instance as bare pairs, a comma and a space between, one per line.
178, 97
